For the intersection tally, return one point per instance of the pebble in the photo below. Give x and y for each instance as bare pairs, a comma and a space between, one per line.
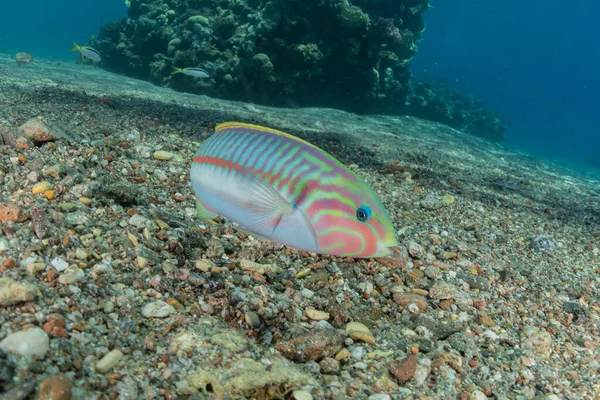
157, 309
379, 396
138, 221
406, 299
13, 292
329, 366
109, 307
536, 340
477, 395
72, 275
415, 249
163, 155
342, 354
301, 395
358, 331
312, 346
204, 265
432, 202
36, 130
54, 388
31, 344
317, 315
110, 360
252, 319
4, 246
41, 187
403, 370
248, 265
358, 353
442, 291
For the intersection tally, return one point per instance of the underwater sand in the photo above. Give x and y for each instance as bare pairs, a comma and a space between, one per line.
120, 292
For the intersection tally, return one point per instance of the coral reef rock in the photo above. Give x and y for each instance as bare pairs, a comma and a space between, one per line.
333, 53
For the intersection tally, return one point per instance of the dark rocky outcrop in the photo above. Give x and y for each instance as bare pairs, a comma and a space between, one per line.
329, 53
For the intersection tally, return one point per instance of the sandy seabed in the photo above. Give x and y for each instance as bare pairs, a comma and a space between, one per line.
110, 287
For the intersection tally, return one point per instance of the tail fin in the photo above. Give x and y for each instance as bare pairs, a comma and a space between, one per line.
75, 47
176, 70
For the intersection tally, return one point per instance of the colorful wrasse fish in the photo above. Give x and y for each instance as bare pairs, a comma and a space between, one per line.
287, 190
194, 72
87, 52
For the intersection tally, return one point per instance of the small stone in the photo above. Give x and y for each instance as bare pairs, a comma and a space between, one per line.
442, 291
415, 249
41, 187
317, 315
301, 395
59, 264
358, 331
157, 309
475, 281
403, 370
342, 354
406, 299
312, 346
12, 213
432, 202
379, 396
139, 221
81, 254
329, 366
376, 355
14, 139
448, 199
72, 275
31, 344
204, 265
54, 388
248, 265
477, 395
4, 245
40, 223
421, 373
110, 360
109, 307
485, 320
252, 319
67, 207
142, 262
14, 292
163, 155
37, 131
303, 273
538, 341
542, 243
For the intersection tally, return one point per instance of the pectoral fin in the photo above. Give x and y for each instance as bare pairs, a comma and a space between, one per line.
203, 213
263, 205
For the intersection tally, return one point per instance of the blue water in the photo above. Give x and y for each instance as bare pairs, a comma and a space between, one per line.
535, 62
48, 28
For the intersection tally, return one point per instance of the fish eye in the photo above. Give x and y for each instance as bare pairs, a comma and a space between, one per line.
363, 213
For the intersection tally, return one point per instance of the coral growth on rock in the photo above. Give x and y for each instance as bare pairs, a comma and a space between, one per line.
332, 53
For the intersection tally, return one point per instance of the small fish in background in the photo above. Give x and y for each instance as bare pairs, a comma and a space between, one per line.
284, 189
87, 53
23, 58
194, 72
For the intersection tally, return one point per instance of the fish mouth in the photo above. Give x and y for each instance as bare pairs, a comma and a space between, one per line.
384, 249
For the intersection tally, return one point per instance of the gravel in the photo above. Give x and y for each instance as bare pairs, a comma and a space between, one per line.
110, 285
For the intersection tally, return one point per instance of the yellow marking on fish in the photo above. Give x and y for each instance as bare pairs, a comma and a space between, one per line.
230, 125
